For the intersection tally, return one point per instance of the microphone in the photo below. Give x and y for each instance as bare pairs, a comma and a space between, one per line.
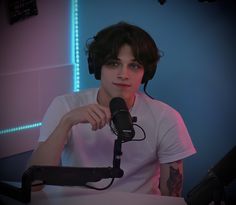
211, 188
121, 119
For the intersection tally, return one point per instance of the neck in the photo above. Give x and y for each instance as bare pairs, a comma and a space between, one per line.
102, 99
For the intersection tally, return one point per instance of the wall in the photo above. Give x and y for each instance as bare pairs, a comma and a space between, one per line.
197, 73
35, 66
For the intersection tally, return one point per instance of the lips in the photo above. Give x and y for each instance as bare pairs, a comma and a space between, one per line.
121, 85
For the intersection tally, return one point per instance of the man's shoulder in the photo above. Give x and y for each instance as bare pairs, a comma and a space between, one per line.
156, 106
142, 97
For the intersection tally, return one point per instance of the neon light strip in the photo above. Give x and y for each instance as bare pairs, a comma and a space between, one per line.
74, 59
20, 128
75, 44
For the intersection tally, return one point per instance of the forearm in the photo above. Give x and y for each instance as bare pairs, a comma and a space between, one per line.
171, 180
49, 152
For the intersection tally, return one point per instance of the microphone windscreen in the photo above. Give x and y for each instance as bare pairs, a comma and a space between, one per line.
121, 119
117, 104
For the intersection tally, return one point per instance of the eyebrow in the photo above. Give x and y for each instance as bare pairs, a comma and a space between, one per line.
133, 60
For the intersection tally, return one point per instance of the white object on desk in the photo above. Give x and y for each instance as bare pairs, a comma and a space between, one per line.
61, 195
79, 196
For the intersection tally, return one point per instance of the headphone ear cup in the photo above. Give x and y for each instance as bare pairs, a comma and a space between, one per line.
93, 68
90, 63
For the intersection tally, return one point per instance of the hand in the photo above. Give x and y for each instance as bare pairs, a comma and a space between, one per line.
95, 114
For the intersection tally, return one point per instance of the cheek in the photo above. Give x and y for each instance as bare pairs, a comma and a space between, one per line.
140, 77
137, 84
106, 79
137, 81
106, 73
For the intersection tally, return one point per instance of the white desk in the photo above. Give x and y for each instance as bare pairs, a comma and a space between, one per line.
59, 195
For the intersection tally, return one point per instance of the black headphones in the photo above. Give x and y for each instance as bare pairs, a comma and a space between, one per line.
93, 67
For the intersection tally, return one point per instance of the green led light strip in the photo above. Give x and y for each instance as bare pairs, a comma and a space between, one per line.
74, 59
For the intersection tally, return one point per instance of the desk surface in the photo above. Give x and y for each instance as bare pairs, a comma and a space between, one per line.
60, 195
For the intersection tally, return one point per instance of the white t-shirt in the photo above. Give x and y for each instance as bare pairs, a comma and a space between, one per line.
167, 140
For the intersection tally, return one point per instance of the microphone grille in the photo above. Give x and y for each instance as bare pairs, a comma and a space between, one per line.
117, 104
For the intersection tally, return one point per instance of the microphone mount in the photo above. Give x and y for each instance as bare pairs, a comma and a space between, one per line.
63, 176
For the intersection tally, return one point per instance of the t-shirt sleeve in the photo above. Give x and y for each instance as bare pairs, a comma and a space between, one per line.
175, 142
52, 117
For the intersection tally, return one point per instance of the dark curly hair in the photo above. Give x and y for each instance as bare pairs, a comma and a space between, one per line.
107, 43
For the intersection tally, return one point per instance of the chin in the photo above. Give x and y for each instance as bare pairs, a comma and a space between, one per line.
125, 96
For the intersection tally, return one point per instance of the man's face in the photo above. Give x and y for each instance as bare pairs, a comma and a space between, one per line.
121, 77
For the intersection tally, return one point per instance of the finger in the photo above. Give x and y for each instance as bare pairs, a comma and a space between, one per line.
106, 112
93, 119
93, 122
97, 117
102, 115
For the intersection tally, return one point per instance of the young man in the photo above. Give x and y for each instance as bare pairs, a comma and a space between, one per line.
76, 129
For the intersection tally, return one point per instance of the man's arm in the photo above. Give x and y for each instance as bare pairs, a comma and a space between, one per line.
49, 152
171, 178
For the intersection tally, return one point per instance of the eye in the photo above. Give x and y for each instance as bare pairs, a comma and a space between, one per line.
112, 63
135, 66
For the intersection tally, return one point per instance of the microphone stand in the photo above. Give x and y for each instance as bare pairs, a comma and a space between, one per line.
63, 176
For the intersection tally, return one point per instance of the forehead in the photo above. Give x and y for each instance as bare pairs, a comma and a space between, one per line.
125, 52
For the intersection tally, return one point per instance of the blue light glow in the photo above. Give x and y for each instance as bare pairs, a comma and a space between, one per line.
75, 44
20, 128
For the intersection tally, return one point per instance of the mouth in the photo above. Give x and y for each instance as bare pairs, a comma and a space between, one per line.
122, 85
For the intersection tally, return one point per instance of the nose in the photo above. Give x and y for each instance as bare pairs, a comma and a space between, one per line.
123, 72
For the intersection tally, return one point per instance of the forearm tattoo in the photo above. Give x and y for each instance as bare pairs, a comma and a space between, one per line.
174, 183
